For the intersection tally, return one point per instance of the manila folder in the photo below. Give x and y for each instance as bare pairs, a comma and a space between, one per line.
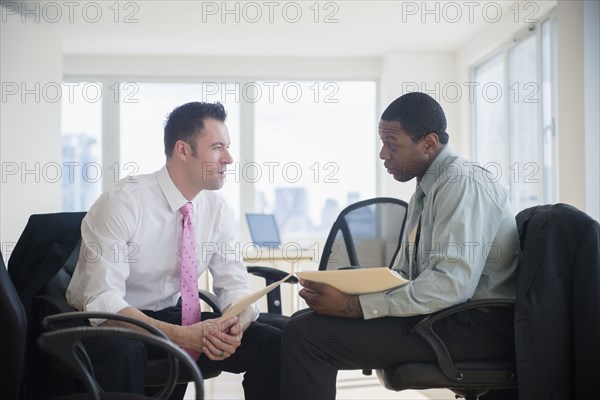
357, 281
246, 301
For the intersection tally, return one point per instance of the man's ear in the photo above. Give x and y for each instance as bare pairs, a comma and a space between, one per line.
181, 150
431, 141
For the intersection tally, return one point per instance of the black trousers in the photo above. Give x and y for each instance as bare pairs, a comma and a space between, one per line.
119, 364
315, 347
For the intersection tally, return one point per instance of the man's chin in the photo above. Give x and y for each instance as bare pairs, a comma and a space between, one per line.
213, 186
402, 178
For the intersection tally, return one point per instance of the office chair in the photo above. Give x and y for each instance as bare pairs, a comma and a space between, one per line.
41, 267
64, 345
14, 326
557, 322
365, 234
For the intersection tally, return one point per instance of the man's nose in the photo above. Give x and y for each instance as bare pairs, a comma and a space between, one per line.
383, 153
227, 158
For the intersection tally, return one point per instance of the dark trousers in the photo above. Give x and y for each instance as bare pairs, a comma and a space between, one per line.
120, 364
315, 347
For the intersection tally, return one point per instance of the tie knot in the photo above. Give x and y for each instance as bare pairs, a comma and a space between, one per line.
186, 209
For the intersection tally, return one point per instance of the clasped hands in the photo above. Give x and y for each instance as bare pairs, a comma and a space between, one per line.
218, 340
327, 300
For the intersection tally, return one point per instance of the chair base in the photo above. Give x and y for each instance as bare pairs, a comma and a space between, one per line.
419, 376
469, 394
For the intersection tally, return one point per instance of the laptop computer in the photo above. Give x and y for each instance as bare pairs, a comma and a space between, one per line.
263, 230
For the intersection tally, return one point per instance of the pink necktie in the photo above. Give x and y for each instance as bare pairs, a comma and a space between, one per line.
190, 308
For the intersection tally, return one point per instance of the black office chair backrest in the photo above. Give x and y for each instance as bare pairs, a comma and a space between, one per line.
12, 336
365, 234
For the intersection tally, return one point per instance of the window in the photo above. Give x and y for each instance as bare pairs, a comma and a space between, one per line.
316, 149
303, 154
525, 167
81, 127
513, 111
489, 111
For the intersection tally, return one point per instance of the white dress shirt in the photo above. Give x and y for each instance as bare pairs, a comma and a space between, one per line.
468, 248
131, 243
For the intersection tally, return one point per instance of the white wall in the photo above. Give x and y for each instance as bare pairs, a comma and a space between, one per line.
199, 67
29, 125
591, 31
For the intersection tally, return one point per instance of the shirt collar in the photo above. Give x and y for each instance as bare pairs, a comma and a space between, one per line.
172, 194
435, 169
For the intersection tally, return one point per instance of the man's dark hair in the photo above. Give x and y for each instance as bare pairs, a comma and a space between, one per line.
186, 121
419, 114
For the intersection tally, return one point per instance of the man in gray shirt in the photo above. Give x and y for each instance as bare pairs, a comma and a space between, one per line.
460, 243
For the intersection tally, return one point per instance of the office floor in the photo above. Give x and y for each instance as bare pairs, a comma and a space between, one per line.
351, 385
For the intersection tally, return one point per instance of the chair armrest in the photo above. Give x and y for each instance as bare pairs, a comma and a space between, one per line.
65, 345
425, 329
469, 305
49, 322
271, 274
210, 299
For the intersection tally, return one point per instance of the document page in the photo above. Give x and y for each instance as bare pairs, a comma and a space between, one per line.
357, 281
246, 301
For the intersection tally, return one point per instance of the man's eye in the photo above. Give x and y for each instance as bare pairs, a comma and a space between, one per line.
389, 145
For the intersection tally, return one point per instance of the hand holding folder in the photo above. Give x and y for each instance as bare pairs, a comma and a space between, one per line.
357, 281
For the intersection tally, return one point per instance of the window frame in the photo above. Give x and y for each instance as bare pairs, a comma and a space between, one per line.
111, 134
546, 136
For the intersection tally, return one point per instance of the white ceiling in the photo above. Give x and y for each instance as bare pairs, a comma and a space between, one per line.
355, 28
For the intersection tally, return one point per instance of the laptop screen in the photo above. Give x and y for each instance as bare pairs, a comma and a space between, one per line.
263, 230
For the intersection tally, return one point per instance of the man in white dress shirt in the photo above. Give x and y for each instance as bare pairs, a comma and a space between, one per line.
130, 261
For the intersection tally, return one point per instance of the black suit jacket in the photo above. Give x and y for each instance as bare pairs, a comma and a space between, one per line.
557, 312
42, 250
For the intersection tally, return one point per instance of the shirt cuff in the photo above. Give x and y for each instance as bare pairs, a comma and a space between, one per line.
374, 305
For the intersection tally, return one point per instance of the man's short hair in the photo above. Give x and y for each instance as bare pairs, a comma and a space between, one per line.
418, 114
186, 122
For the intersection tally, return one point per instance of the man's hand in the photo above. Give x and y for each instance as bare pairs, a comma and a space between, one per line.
327, 300
244, 320
215, 339
212, 338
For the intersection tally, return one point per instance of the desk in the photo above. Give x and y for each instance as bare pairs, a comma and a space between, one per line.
291, 255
